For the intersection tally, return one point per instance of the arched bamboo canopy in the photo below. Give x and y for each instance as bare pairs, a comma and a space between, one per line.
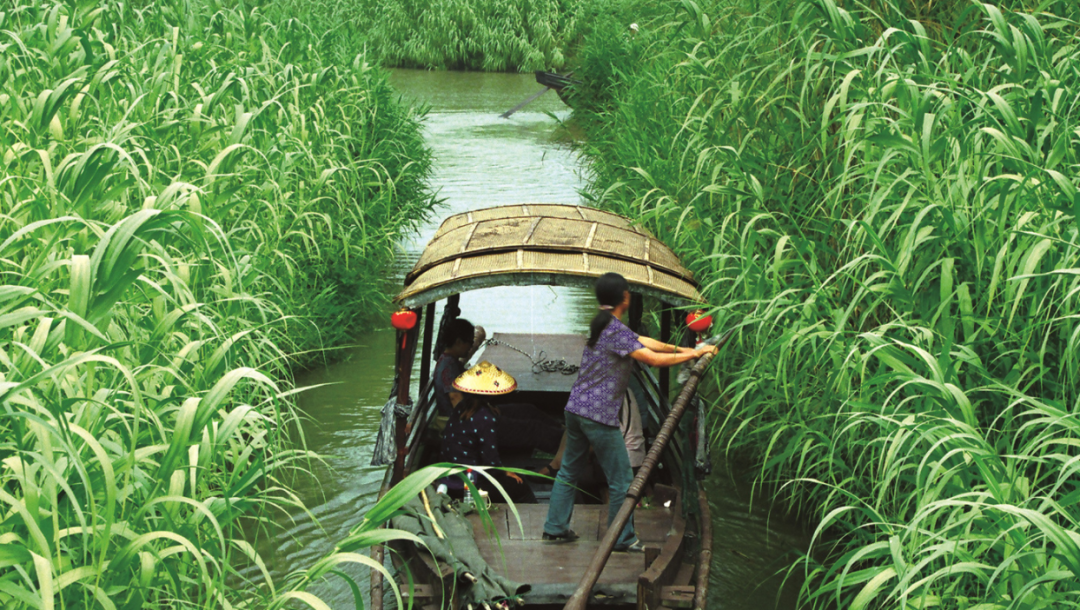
544, 244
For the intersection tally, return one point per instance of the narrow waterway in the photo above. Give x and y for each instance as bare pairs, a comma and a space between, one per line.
482, 161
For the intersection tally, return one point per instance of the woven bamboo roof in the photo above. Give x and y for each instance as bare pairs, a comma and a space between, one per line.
543, 244
548, 210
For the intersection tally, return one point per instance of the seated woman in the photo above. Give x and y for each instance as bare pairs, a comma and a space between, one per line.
459, 339
471, 437
520, 426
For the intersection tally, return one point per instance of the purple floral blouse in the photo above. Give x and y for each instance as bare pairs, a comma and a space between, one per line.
605, 372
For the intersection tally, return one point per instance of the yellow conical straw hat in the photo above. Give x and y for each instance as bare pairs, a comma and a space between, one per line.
485, 378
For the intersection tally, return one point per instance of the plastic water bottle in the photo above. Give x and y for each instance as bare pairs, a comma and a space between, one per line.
468, 499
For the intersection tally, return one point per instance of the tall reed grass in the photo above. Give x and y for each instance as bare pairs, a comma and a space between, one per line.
487, 35
190, 197
889, 190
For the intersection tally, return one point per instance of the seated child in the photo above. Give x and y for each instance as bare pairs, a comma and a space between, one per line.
471, 434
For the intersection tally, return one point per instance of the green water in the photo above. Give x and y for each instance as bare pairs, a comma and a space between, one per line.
482, 161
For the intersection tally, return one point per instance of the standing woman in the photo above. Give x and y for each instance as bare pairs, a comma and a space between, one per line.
592, 413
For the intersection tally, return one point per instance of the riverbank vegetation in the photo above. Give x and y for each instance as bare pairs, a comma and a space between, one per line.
888, 190
191, 198
487, 35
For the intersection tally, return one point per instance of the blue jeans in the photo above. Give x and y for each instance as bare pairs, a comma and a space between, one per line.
607, 442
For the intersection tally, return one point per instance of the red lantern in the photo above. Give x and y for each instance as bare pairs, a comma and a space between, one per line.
697, 321
403, 319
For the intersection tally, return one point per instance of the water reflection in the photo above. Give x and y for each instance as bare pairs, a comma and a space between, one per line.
751, 547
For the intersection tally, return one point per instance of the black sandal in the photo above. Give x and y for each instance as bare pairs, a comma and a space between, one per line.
569, 536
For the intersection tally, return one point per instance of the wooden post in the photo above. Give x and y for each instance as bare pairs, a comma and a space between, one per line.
665, 337
376, 578
406, 349
450, 309
701, 590
636, 307
425, 351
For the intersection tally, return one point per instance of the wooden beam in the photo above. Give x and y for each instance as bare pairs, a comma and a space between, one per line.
425, 352
665, 337
377, 578
636, 307
451, 307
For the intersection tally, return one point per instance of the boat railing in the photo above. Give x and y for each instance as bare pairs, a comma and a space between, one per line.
658, 410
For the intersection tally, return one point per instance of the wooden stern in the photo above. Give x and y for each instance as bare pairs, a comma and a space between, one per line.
554, 569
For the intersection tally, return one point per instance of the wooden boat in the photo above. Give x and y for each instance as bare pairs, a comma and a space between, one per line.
560, 83
565, 245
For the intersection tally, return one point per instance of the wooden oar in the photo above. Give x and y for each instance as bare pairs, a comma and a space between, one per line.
507, 114
581, 596
528, 101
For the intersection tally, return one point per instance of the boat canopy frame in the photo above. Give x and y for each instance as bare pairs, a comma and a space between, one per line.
544, 244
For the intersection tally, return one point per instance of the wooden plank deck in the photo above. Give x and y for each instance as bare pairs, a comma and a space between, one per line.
521, 555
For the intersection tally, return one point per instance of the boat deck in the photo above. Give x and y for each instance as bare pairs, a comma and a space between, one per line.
554, 569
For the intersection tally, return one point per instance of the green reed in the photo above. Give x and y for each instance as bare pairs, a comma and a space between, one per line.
487, 35
889, 190
190, 199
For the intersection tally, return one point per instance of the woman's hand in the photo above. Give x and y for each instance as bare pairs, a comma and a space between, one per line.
707, 349
651, 357
515, 478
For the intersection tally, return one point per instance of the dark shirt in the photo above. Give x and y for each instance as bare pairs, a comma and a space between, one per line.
447, 369
473, 441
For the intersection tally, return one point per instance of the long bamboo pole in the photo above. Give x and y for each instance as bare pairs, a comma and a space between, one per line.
529, 100
580, 597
